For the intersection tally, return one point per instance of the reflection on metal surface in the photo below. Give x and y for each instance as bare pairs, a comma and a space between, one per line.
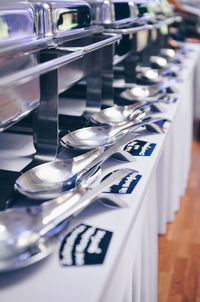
102, 136
29, 234
3, 29
59, 17
117, 114
51, 179
158, 61
142, 39
16, 21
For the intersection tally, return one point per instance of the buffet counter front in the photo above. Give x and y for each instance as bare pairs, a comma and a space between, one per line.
109, 253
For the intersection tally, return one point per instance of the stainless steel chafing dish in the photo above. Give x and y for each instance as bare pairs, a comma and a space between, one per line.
160, 14
118, 17
17, 37
45, 48
112, 13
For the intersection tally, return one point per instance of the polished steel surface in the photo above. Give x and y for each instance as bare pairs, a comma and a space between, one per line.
138, 110
169, 53
158, 61
48, 180
159, 72
21, 69
30, 73
108, 12
117, 114
29, 234
21, 79
140, 92
103, 40
66, 175
54, 82
148, 74
57, 18
96, 136
16, 22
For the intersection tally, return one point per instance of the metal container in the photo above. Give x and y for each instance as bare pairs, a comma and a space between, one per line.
113, 13
17, 33
62, 48
57, 18
118, 17
16, 21
46, 44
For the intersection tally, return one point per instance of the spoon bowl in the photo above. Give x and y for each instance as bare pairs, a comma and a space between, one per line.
96, 136
48, 180
168, 53
29, 234
158, 62
143, 92
149, 75
118, 114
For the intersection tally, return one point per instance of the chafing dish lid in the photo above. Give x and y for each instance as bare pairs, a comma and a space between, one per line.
62, 16
16, 21
109, 11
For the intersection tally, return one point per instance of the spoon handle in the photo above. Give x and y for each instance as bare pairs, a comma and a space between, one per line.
23, 228
110, 150
64, 207
122, 139
142, 105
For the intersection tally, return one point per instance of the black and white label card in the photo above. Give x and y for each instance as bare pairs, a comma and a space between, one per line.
84, 245
126, 185
140, 148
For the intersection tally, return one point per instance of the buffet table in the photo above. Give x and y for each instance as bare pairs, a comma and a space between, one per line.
127, 268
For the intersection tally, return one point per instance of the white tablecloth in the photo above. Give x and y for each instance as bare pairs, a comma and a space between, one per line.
129, 272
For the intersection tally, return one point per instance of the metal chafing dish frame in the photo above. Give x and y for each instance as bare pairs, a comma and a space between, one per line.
128, 29
136, 30
52, 60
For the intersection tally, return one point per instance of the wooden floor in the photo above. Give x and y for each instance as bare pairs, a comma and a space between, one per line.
179, 249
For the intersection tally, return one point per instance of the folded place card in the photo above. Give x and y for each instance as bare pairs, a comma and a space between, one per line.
140, 148
126, 185
84, 245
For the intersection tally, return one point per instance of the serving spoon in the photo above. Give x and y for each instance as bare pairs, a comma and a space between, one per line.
158, 62
51, 179
171, 55
143, 92
148, 102
168, 53
95, 136
29, 234
149, 75
118, 114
